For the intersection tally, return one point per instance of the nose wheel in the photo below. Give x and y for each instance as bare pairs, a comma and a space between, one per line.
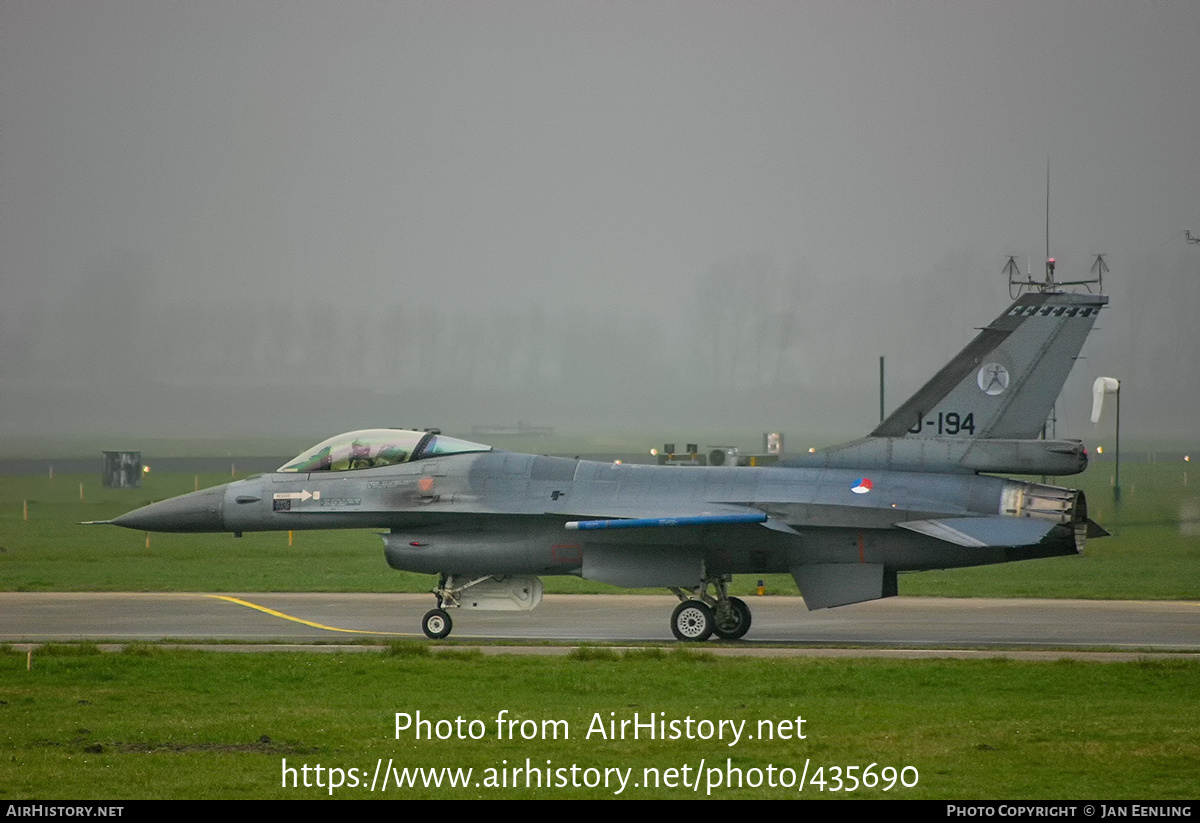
436, 624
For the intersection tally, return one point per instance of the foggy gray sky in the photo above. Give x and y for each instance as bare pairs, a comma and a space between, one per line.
608, 215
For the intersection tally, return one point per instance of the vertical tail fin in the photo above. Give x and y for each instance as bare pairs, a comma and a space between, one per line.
1004, 383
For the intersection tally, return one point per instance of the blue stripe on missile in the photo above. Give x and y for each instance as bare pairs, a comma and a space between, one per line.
656, 522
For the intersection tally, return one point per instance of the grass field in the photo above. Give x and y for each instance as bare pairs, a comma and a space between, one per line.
154, 723
1150, 555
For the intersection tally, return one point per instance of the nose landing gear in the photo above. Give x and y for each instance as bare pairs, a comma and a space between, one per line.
486, 593
436, 624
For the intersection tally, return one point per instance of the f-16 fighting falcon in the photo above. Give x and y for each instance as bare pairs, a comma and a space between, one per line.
915, 494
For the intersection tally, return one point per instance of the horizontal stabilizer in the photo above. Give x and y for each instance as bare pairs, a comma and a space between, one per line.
659, 522
981, 532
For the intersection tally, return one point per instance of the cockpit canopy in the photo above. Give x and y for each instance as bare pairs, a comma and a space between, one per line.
372, 448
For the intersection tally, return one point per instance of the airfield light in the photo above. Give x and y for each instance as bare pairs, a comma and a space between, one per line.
1187, 458
654, 452
1099, 450
617, 462
812, 451
145, 469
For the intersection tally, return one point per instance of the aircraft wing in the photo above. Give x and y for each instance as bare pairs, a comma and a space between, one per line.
651, 551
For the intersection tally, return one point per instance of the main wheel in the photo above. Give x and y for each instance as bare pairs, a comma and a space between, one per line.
692, 620
736, 621
436, 624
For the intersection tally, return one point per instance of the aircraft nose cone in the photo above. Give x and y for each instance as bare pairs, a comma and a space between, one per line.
196, 512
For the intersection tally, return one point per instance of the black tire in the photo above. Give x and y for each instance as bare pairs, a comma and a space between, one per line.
692, 621
737, 624
436, 624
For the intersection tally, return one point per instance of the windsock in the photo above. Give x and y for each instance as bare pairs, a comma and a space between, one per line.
1102, 386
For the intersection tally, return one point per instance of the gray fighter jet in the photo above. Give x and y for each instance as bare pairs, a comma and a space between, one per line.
913, 495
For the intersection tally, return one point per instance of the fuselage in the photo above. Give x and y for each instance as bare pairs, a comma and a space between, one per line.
505, 513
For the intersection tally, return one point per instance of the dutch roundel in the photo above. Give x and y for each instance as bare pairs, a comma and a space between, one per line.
861, 486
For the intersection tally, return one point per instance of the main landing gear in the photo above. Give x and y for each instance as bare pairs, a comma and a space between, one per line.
700, 615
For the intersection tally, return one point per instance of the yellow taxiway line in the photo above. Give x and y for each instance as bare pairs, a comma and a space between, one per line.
274, 613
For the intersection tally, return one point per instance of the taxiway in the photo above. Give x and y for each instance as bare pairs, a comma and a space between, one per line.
910, 622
